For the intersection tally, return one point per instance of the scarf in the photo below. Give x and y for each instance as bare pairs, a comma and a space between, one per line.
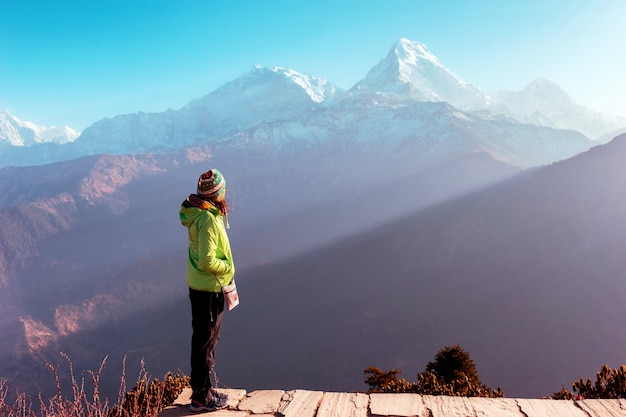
195, 201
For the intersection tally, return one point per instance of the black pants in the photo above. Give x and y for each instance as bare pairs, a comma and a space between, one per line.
207, 310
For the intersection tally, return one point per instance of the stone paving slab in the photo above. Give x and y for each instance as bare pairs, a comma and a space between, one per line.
603, 408
397, 405
234, 396
341, 404
302, 403
183, 411
497, 407
550, 408
262, 402
222, 413
180, 407
183, 397
451, 407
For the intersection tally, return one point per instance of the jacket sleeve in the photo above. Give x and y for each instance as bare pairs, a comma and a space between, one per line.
211, 256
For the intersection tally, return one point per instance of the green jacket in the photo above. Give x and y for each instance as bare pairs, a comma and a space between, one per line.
209, 249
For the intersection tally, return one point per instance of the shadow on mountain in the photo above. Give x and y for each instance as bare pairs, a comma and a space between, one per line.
527, 275
90, 258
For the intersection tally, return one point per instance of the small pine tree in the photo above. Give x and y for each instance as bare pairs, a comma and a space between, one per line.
452, 363
609, 384
453, 373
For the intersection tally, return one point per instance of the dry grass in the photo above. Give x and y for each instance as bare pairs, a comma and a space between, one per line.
147, 398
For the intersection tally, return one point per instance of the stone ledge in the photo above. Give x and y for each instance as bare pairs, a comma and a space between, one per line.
303, 403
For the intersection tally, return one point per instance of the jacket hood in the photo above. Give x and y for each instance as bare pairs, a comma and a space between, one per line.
189, 213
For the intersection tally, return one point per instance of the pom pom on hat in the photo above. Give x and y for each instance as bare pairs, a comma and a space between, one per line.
211, 184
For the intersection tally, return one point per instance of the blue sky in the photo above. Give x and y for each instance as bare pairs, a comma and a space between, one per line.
76, 62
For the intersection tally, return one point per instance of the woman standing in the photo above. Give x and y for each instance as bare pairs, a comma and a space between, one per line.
204, 214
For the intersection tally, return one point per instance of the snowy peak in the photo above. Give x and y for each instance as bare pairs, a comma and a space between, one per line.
411, 71
262, 89
305, 107
318, 89
539, 96
411, 55
546, 94
262, 95
544, 85
543, 102
16, 132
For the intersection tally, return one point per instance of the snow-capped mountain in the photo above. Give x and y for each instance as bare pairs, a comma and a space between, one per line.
315, 110
408, 101
425, 132
261, 95
15, 132
264, 94
543, 102
411, 71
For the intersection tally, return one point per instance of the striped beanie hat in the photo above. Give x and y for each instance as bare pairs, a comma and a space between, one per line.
211, 184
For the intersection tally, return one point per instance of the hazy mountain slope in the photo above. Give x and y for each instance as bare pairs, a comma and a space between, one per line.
83, 240
350, 124
75, 246
88, 218
312, 329
44, 201
321, 160
527, 276
390, 130
544, 103
349, 213
68, 231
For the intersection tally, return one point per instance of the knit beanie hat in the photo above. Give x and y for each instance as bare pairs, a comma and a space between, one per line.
211, 184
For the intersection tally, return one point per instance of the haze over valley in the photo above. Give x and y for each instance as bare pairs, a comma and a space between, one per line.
370, 226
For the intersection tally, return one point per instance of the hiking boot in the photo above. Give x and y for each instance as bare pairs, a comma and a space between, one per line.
196, 406
216, 394
198, 399
216, 403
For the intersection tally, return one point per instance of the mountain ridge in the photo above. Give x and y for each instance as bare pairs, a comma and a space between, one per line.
410, 73
16, 132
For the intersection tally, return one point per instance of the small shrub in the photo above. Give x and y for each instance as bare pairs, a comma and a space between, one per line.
452, 373
609, 384
380, 381
563, 394
452, 363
